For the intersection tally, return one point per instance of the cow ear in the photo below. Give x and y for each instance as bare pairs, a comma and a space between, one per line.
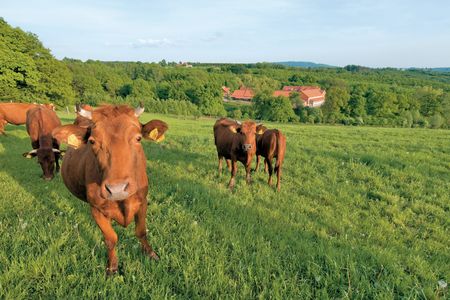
260, 128
154, 130
30, 154
71, 135
234, 128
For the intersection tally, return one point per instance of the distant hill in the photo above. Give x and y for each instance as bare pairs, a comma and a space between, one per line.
441, 69
431, 69
303, 64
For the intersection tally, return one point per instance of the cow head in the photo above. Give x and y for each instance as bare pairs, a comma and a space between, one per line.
114, 139
46, 158
246, 132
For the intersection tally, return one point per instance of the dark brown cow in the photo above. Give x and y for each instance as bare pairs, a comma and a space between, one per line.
236, 142
105, 166
16, 113
270, 144
40, 123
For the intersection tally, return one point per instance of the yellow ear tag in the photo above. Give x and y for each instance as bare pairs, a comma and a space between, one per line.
153, 134
233, 129
73, 141
161, 138
260, 131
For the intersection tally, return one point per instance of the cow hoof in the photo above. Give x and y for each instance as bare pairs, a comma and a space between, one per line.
153, 255
111, 270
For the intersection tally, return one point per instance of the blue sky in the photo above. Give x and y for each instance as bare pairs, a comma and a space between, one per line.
381, 33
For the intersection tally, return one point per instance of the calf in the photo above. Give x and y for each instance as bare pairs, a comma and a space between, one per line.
270, 144
105, 166
40, 123
236, 142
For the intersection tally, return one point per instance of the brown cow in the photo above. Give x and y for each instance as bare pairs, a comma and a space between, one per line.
236, 142
270, 144
16, 113
40, 123
105, 166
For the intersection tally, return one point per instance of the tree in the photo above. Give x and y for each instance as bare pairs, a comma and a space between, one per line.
274, 108
336, 103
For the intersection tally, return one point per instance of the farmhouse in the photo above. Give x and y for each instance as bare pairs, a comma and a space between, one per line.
312, 96
243, 93
226, 91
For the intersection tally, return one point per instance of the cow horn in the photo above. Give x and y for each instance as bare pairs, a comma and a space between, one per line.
29, 154
239, 123
85, 113
139, 110
56, 150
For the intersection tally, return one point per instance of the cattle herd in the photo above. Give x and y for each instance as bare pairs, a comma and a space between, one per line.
105, 165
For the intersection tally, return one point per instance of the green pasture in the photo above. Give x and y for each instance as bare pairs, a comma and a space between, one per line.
363, 213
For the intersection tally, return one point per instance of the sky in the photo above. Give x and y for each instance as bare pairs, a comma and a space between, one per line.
378, 33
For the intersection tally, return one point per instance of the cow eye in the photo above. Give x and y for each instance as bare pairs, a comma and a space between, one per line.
91, 141
139, 138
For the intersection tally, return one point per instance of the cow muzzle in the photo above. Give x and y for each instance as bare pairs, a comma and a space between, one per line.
117, 192
246, 147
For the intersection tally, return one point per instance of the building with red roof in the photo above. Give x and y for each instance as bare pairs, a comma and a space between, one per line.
312, 96
226, 91
243, 93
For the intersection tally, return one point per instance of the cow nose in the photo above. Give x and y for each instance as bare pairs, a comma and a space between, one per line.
247, 147
117, 191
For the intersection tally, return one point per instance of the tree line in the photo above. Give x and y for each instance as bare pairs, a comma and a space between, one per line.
355, 95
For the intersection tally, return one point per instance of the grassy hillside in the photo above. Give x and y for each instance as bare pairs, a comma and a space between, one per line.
363, 213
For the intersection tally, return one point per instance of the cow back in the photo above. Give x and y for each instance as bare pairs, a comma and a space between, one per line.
15, 113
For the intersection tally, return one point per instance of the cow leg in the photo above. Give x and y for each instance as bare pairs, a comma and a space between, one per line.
57, 156
278, 171
248, 170
110, 239
265, 166
2, 125
258, 159
269, 166
233, 174
141, 230
228, 164
220, 165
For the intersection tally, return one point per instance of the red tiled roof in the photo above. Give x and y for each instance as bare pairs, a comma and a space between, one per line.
313, 93
226, 89
281, 93
243, 93
307, 92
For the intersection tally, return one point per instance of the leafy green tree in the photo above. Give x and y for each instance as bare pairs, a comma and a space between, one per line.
336, 104
274, 108
430, 100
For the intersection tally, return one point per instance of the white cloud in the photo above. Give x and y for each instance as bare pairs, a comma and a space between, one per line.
152, 43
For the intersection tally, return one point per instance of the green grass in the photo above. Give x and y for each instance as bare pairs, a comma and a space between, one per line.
362, 213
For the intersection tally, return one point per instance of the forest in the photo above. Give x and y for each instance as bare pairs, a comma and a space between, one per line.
356, 95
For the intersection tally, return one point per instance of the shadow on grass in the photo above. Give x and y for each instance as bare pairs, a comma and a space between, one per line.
26, 172
255, 239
